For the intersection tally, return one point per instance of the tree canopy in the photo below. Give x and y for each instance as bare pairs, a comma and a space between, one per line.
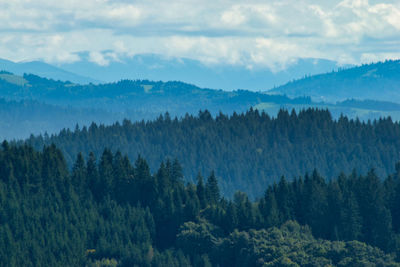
111, 212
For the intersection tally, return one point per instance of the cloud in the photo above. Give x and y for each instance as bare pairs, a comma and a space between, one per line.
98, 58
251, 33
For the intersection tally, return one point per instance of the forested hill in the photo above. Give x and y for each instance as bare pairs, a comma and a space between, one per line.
248, 151
63, 104
144, 99
20, 119
43, 69
115, 213
30, 104
378, 81
134, 96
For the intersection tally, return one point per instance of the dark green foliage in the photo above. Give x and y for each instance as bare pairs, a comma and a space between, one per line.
212, 190
294, 245
201, 191
289, 245
113, 213
248, 151
349, 208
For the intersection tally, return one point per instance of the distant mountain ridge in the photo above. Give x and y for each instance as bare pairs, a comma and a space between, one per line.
152, 97
160, 68
62, 104
20, 119
33, 104
378, 81
219, 76
44, 70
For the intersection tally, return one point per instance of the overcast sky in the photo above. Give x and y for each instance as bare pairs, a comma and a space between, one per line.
252, 33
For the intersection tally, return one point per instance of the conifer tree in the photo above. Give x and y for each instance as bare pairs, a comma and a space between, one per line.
201, 191
106, 177
271, 212
79, 174
92, 175
212, 190
351, 221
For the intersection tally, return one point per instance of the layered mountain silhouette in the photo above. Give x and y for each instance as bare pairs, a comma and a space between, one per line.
378, 81
44, 70
366, 92
219, 76
160, 68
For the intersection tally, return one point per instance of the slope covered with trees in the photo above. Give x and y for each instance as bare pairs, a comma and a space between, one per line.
44, 105
378, 81
116, 213
20, 119
248, 151
138, 95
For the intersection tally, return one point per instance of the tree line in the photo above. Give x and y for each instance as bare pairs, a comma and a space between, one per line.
248, 151
113, 212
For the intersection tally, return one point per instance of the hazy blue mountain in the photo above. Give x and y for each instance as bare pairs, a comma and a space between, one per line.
378, 81
44, 70
33, 104
138, 95
222, 76
144, 99
20, 119
160, 68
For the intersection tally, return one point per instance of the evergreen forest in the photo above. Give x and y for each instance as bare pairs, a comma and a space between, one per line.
248, 151
30, 104
200, 133
113, 212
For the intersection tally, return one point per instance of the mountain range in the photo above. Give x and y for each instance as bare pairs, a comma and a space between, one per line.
367, 92
159, 68
43, 69
131, 193
378, 81
219, 76
322, 80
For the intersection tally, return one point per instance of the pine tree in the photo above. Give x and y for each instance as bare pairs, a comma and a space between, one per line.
284, 199
92, 175
146, 183
350, 219
212, 190
316, 204
201, 191
271, 212
79, 174
106, 178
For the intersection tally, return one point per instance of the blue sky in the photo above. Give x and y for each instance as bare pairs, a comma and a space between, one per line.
269, 33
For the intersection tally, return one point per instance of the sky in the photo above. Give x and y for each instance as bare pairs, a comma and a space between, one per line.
271, 33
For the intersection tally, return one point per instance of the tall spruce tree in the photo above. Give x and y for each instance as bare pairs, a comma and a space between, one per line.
212, 190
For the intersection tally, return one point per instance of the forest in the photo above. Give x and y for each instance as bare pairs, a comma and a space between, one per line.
30, 104
200, 133
248, 151
20, 119
154, 97
378, 81
113, 212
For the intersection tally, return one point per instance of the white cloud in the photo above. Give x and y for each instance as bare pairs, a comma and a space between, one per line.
233, 17
98, 58
251, 33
